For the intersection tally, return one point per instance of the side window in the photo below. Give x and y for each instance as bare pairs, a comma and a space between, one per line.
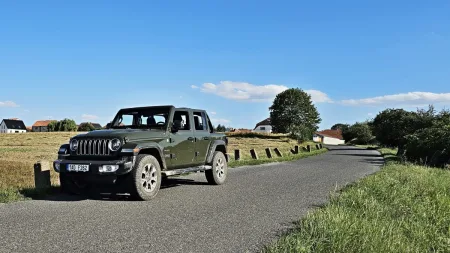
262, 128
182, 119
199, 121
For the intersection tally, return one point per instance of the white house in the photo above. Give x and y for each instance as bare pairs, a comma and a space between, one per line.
12, 126
330, 137
263, 127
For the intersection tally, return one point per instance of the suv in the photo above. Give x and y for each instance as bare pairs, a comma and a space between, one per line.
140, 147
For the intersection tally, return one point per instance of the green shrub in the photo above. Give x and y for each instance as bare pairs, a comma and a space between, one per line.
358, 133
86, 127
430, 146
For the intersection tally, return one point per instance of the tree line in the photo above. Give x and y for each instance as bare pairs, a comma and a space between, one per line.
69, 125
421, 136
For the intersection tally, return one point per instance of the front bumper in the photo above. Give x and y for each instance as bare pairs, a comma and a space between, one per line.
125, 166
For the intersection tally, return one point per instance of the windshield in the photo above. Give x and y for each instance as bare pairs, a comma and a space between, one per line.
142, 118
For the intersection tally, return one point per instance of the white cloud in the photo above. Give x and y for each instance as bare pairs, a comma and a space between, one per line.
370, 114
219, 121
243, 91
26, 110
89, 117
8, 104
319, 97
194, 87
213, 113
416, 98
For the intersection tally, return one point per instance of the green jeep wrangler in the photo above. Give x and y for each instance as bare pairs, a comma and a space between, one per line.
140, 147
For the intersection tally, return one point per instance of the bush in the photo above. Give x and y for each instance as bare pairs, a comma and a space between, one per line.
430, 146
359, 133
86, 127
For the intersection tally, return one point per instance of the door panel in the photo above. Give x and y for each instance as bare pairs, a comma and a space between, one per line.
182, 148
202, 136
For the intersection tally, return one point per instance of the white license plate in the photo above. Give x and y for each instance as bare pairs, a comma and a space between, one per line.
78, 167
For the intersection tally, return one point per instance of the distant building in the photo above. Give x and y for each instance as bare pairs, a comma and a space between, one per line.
263, 126
332, 137
41, 125
12, 126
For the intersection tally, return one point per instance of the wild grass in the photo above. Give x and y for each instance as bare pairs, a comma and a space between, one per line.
19, 153
402, 208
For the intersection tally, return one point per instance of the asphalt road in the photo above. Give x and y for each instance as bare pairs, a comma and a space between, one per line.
249, 211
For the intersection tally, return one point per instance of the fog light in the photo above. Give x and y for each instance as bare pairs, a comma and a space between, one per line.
57, 166
108, 168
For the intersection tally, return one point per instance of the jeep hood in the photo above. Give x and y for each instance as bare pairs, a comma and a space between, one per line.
130, 134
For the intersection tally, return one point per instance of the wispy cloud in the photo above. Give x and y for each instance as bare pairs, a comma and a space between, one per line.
213, 113
416, 98
243, 91
89, 117
26, 110
8, 104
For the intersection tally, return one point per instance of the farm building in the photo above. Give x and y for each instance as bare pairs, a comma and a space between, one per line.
41, 125
12, 126
263, 126
332, 137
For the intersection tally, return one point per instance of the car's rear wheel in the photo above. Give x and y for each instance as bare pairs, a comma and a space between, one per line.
218, 174
145, 177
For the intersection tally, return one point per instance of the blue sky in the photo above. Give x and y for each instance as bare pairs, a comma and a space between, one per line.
86, 60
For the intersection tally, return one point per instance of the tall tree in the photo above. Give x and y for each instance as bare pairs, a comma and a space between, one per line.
340, 126
293, 112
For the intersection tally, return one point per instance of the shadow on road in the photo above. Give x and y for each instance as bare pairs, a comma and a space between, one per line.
366, 155
108, 194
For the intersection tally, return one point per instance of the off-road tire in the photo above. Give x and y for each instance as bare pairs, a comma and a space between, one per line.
218, 174
145, 178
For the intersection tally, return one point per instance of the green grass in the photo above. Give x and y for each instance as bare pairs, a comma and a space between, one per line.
8, 195
402, 208
285, 158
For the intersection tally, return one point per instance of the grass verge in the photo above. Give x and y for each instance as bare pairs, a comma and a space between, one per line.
287, 158
14, 194
402, 208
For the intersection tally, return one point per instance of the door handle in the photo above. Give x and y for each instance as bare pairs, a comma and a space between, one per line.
191, 138
205, 138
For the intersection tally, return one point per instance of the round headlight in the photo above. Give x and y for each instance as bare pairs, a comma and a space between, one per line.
114, 144
73, 144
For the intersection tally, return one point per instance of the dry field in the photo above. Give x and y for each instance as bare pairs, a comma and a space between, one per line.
19, 152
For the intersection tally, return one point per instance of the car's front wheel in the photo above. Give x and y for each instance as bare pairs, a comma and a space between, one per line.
218, 174
145, 177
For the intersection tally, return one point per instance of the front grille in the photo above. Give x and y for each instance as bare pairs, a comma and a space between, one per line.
93, 147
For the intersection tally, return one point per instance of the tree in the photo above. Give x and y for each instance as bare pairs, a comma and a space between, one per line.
86, 127
340, 126
220, 128
51, 127
293, 112
391, 126
362, 132
66, 125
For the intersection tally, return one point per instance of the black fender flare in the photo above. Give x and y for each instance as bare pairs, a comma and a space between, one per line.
213, 147
137, 148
